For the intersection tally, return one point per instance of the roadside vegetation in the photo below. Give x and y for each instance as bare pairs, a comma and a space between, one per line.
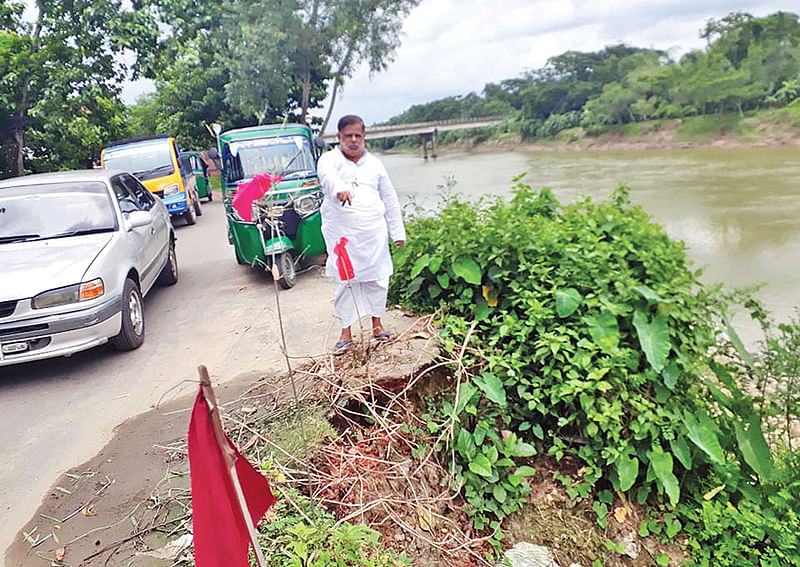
590, 341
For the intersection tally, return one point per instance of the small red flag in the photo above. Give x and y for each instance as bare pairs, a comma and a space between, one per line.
248, 192
343, 262
220, 533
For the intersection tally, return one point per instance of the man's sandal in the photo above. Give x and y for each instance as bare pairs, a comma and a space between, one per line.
342, 346
382, 336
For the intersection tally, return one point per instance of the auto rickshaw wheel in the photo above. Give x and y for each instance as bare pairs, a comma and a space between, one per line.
288, 275
197, 209
210, 195
190, 216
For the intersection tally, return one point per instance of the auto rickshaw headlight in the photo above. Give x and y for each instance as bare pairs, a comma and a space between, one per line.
307, 204
172, 189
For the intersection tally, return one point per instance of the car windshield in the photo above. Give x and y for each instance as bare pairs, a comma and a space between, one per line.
55, 210
288, 156
146, 160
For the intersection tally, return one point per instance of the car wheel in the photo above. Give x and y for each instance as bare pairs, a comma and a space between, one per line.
169, 274
197, 209
288, 275
131, 335
190, 216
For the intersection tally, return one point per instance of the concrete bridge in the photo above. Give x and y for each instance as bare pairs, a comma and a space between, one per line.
427, 131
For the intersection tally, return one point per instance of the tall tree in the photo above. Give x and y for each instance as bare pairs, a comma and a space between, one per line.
65, 80
360, 31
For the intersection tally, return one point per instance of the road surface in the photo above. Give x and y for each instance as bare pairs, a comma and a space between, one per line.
57, 413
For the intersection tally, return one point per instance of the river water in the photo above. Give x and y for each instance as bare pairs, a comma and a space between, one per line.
737, 210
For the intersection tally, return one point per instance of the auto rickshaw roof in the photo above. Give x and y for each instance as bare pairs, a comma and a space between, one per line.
265, 131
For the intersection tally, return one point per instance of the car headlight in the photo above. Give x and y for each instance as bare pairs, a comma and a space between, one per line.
69, 294
172, 189
308, 204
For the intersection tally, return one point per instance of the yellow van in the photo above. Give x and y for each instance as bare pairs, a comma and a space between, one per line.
159, 165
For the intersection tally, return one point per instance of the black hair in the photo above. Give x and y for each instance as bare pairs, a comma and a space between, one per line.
348, 119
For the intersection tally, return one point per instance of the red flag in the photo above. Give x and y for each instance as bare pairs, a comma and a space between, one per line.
246, 193
220, 533
343, 262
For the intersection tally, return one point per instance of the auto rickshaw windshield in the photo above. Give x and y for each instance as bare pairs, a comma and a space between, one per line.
288, 156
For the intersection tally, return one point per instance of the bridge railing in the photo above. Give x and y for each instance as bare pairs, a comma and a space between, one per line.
374, 130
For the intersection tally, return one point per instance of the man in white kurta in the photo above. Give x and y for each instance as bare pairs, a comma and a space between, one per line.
361, 205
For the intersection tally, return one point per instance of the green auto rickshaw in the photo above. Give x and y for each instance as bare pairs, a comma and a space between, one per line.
201, 175
285, 228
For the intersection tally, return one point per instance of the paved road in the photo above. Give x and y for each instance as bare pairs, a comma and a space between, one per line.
55, 414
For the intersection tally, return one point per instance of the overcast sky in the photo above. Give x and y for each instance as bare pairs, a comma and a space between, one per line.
454, 47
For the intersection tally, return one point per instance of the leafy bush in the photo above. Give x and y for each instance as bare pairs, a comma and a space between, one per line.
580, 332
304, 534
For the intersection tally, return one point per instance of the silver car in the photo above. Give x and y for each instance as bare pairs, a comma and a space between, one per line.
78, 251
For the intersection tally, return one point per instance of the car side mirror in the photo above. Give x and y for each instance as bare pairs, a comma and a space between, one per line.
213, 154
137, 219
319, 143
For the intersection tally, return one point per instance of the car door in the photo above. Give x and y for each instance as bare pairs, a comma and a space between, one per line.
138, 239
157, 242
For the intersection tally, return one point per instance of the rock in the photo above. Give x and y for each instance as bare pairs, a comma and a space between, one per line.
526, 554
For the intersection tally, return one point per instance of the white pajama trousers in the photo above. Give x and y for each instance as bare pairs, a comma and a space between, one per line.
359, 299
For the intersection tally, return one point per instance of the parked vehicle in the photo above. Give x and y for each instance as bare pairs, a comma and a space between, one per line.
201, 175
157, 162
285, 227
78, 251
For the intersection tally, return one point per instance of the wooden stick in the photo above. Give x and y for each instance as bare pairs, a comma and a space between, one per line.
230, 461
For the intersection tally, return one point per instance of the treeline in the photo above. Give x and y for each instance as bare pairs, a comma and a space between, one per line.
233, 62
748, 63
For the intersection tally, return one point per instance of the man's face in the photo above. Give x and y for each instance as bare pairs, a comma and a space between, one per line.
351, 140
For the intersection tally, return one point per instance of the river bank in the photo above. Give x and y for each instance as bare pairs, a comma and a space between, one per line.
763, 131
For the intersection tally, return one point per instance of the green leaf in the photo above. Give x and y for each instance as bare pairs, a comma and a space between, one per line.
662, 467
444, 280
627, 471
754, 448
421, 263
435, 264
567, 301
492, 387
604, 330
670, 375
662, 559
653, 338
702, 432
499, 493
524, 450
739, 345
681, 450
648, 294
465, 393
481, 466
468, 269
525, 471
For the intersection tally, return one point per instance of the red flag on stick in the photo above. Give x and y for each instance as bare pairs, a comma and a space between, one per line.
225, 487
248, 192
343, 262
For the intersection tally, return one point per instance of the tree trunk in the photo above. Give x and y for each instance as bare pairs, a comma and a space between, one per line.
310, 30
21, 115
336, 84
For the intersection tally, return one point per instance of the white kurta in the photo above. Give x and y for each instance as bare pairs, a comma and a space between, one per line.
372, 217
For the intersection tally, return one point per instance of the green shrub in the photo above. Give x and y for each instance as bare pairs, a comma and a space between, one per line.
580, 331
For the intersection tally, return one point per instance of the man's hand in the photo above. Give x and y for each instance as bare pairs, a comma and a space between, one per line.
399, 243
344, 197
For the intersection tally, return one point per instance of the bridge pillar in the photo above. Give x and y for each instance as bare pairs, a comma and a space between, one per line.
428, 139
